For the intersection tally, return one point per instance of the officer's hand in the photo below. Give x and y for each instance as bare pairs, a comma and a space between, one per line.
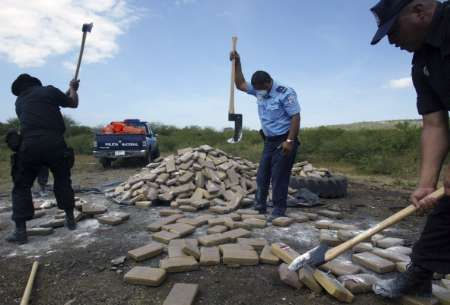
447, 182
74, 84
234, 55
421, 201
287, 148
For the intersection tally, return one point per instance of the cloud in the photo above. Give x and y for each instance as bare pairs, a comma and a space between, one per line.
33, 30
401, 83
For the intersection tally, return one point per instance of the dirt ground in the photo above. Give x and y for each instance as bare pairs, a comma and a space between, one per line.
75, 267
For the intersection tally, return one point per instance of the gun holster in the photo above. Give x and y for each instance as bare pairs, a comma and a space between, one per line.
263, 136
13, 139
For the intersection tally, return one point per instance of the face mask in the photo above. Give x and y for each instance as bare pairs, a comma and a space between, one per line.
260, 94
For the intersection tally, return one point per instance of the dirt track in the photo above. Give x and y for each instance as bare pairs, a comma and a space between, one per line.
76, 266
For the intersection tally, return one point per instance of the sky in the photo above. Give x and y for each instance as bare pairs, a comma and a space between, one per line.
167, 61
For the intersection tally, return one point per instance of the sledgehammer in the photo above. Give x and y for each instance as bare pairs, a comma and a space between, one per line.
322, 254
87, 27
26, 295
232, 116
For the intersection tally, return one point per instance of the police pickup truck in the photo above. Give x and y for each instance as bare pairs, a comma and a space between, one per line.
114, 143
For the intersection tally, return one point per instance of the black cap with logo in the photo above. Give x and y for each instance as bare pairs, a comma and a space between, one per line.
386, 13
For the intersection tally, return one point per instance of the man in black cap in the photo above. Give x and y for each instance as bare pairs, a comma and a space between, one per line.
422, 27
42, 144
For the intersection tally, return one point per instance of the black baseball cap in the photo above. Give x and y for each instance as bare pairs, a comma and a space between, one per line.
386, 13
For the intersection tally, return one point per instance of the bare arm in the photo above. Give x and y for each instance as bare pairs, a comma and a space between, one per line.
72, 93
286, 146
295, 126
239, 80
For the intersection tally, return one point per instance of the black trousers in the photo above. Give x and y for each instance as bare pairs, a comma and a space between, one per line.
275, 168
432, 251
35, 152
42, 177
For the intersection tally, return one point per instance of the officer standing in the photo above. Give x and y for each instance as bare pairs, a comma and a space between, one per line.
279, 114
422, 27
42, 144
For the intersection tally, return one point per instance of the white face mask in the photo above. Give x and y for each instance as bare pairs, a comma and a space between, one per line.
260, 94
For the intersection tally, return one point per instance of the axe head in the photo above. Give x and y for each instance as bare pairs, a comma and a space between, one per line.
237, 118
313, 258
87, 27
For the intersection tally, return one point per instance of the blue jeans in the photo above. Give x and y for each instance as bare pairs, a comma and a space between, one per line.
275, 168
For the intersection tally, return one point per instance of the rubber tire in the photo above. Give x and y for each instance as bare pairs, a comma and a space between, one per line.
155, 154
327, 187
106, 163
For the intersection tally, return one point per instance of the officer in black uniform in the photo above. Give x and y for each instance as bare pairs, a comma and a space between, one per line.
42, 144
422, 27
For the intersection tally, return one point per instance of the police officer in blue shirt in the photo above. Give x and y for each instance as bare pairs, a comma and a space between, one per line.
279, 113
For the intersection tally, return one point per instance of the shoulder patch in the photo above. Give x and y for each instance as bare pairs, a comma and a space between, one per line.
291, 99
281, 89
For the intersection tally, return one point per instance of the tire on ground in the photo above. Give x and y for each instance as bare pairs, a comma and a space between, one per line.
155, 154
326, 187
106, 163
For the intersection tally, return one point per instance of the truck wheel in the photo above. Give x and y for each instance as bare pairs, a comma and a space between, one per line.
327, 187
155, 154
106, 163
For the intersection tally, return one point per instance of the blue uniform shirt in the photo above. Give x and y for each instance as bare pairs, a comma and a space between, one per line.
276, 109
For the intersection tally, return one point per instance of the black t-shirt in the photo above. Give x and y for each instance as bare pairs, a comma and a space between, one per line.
431, 65
38, 109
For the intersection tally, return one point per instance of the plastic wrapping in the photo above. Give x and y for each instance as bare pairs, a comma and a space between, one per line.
358, 283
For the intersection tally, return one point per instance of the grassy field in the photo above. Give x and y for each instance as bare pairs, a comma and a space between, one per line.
391, 153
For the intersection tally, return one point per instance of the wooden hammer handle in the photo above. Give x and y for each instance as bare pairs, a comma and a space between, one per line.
26, 295
392, 220
233, 76
83, 41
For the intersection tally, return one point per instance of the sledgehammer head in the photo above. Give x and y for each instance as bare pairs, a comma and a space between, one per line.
237, 118
313, 258
87, 27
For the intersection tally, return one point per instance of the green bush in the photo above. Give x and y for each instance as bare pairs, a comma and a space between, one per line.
392, 151
81, 143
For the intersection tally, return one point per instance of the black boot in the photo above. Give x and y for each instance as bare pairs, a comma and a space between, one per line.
19, 236
70, 222
260, 209
415, 281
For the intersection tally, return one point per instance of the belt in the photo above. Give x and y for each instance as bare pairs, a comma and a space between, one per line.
41, 132
279, 138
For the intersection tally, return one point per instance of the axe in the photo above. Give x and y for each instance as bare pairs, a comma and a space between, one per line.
87, 27
234, 117
26, 295
322, 254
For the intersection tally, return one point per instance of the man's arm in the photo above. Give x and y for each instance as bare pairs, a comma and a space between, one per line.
72, 93
295, 127
239, 80
434, 146
288, 146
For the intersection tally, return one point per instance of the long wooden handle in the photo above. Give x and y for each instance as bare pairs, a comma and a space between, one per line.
77, 72
233, 76
26, 295
338, 250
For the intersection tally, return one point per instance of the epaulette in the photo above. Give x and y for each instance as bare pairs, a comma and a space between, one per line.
281, 89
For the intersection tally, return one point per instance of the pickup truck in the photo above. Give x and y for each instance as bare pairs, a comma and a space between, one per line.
127, 139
